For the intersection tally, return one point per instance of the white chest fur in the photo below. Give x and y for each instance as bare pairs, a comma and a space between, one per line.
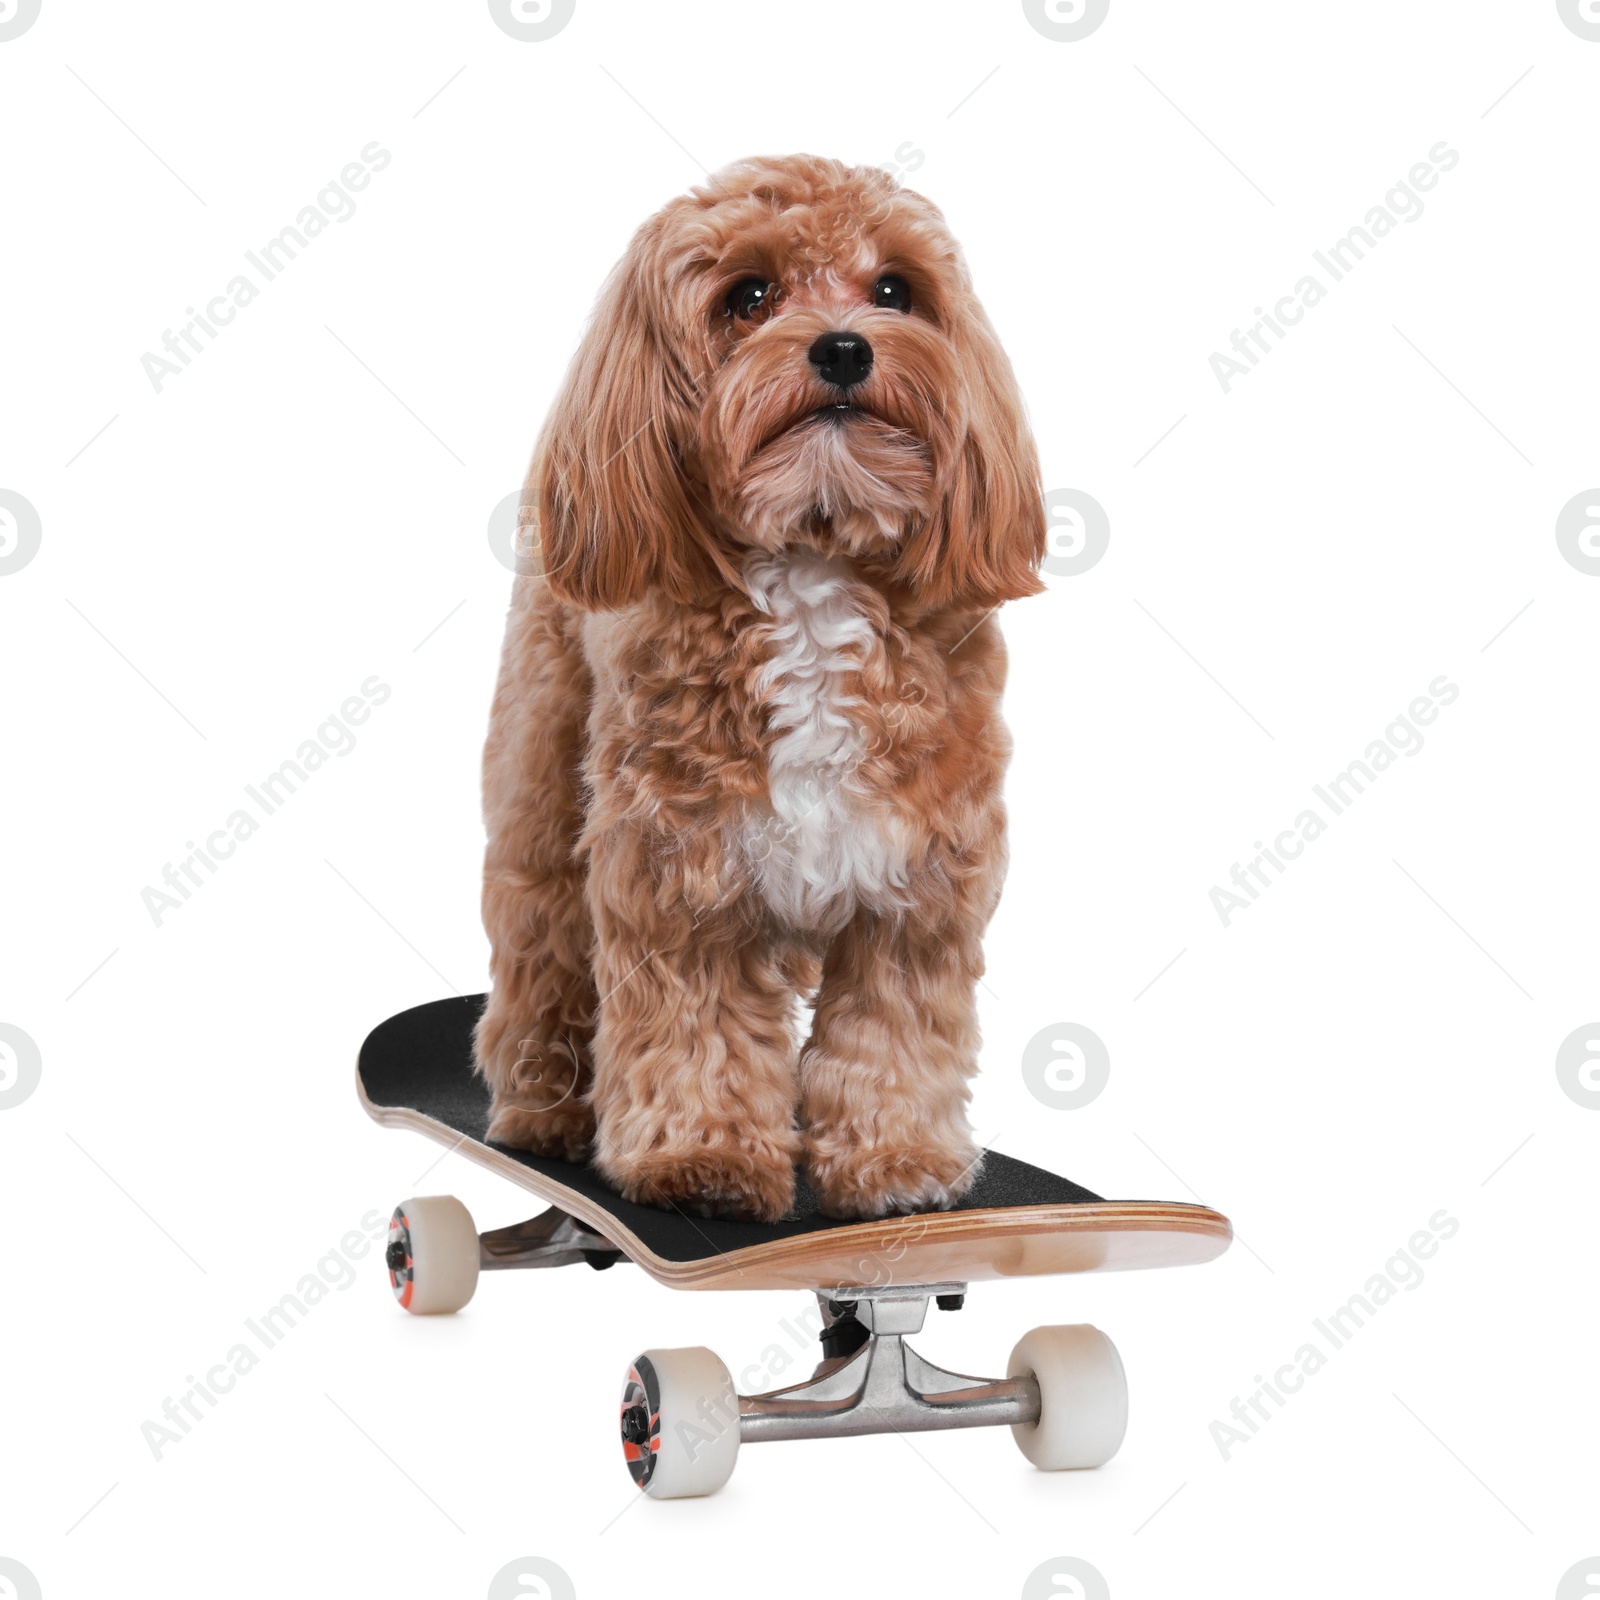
819, 847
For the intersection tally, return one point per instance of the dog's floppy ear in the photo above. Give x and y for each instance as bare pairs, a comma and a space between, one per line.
985, 536
615, 516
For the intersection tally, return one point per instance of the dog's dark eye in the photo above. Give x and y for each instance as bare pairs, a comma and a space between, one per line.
749, 298
892, 293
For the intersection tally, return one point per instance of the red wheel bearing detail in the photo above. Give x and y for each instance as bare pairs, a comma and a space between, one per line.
401, 1279
641, 1420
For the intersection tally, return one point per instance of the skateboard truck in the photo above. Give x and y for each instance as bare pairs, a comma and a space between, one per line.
551, 1239
883, 1385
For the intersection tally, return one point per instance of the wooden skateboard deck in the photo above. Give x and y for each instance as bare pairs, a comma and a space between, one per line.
415, 1071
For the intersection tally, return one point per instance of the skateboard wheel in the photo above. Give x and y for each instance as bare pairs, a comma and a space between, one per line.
432, 1254
1083, 1397
680, 1423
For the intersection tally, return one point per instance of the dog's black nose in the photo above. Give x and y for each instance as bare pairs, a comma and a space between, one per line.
842, 359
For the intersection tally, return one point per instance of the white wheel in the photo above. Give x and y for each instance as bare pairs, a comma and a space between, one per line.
680, 1423
432, 1255
1083, 1397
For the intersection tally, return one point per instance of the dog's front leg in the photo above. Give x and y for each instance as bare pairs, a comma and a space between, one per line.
532, 1042
884, 1075
694, 1058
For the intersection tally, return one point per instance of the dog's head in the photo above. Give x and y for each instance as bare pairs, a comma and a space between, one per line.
792, 353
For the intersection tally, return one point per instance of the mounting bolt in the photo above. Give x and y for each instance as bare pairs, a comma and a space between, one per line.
951, 1302
636, 1425
843, 1337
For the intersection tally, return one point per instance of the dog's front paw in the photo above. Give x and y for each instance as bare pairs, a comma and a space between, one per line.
537, 1089
752, 1183
891, 1180
562, 1133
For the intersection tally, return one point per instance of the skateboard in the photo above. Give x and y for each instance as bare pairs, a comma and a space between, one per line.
682, 1421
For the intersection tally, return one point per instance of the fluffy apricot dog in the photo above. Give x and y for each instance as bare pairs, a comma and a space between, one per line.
746, 747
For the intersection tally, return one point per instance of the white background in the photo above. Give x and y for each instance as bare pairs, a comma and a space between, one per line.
307, 505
